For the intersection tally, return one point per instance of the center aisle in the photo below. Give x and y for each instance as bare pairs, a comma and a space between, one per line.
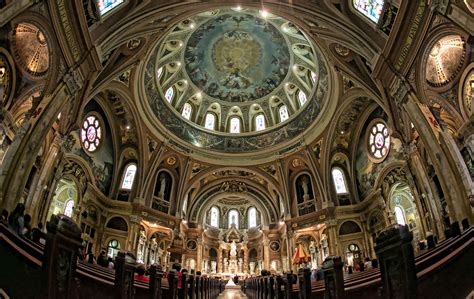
232, 294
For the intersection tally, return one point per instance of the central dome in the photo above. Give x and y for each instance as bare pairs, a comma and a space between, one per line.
237, 57
236, 81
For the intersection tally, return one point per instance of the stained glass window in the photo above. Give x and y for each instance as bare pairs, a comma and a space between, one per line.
234, 218
379, 140
128, 177
314, 77
339, 181
107, 5
260, 122
283, 111
68, 208
372, 9
214, 217
302, 97
235, 125
187, 111
91, 133
159, 72
399, 215
252, 217
210, 121
169, 94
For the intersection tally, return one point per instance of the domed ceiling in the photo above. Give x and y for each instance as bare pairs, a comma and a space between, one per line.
235, 62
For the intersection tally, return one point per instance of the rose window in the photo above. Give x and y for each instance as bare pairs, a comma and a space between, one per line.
379, 140
91, 133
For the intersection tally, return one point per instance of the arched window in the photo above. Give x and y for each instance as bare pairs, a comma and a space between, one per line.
234, 218
302, 97
339, 181
91, 133
68, 208
252, 217
187, 111
259, 122
400, 216
128, 177
235, 125
113, 248
107, 5
372, 9
210, 121
169, 94
159, 72
214, 217
283, 112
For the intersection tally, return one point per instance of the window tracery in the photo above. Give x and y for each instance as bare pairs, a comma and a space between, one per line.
379, 141
91, 133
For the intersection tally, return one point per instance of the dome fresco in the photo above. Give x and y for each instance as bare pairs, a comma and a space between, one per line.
237, 57
241, 63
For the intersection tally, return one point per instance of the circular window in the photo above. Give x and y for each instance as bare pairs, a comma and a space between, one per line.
91, 133
378, 141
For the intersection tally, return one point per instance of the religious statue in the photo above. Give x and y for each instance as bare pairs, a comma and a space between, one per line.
162, 186
313, 252
233, 249
226, 264
252, 267
240, 263
213, 266
304, 186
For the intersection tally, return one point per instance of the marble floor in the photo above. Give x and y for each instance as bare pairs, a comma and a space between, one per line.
232, 294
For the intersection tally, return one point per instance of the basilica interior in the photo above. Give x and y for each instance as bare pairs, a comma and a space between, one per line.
224, 135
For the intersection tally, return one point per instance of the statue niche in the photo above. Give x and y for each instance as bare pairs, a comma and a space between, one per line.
304, 194
162, 192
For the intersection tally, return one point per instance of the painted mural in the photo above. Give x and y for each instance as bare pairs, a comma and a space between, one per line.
237, 57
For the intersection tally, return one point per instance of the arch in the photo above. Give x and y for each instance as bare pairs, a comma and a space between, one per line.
339, 181
117, 223
128, 176
65, 199
349, 227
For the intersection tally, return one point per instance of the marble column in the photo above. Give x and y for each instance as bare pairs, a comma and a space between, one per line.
266, 253
219, 260
246, 259
199, 255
